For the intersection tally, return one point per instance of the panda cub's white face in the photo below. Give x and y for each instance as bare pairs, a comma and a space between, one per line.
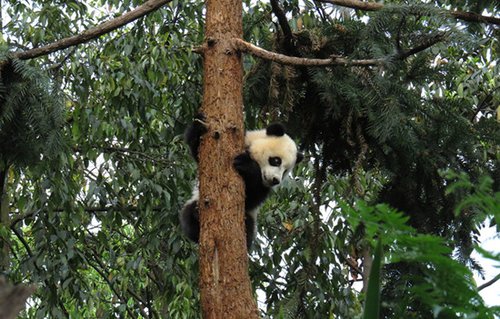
276, 155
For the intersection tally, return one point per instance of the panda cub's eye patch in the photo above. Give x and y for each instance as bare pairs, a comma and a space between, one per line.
274, 161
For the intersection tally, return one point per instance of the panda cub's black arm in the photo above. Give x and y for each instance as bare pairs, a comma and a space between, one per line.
255, 190
193, 134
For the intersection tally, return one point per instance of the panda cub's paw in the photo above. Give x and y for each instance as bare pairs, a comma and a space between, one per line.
245, 165
194, 132
241, 161
199, 126
199, 121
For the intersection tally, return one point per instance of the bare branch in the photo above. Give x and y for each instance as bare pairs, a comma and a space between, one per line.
474, 17
93, 32
356, 4
374, 6
243, 46
489, 283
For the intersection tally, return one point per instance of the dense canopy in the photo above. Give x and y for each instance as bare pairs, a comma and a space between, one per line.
396, 105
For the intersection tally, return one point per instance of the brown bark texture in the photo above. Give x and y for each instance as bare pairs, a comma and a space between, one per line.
224, 281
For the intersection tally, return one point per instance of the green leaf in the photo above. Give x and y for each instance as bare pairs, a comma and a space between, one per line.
372, 303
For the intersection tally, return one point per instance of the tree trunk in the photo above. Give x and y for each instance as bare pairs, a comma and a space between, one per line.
224, 282
367, 266
4, 218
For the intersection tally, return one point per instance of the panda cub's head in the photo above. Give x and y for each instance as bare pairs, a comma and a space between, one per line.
274, 151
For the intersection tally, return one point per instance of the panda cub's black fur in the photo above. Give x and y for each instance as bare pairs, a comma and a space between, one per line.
269, 156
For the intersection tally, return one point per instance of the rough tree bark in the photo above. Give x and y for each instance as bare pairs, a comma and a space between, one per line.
224, 281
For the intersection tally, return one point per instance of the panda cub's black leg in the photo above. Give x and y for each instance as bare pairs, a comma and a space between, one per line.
250, 229
190, 220
194, 132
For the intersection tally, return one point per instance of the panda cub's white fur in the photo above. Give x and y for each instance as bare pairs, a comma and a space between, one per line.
269, 155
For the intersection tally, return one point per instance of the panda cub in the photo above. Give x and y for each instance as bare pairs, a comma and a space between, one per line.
269, 156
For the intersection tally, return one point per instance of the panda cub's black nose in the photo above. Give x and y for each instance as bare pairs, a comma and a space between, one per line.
275, 181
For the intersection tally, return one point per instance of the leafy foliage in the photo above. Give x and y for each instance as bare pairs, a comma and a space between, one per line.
420, 272
96, 226
408, 120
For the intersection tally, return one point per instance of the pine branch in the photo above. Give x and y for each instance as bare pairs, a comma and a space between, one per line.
374, 6
94, 32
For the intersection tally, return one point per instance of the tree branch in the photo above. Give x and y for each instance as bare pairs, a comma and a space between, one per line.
94, 32
285, 27
489, 283
244, 46
356, 4
374, 6
21, 217
474, 17
427, 44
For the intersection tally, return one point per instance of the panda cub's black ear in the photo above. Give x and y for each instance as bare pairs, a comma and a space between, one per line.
275, 129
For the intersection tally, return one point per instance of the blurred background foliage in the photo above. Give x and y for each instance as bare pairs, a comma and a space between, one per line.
93, 186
